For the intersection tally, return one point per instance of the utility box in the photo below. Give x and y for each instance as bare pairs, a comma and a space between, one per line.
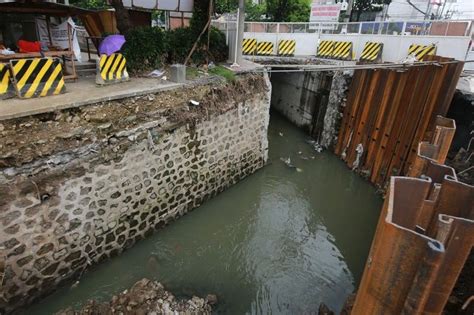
178, 73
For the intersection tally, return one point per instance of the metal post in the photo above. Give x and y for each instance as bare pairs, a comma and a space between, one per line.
349, 11
240, 33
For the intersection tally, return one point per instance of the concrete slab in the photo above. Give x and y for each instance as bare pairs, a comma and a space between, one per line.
245, 66
80, 93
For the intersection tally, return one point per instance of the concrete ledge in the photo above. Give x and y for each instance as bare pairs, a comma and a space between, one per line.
80, 93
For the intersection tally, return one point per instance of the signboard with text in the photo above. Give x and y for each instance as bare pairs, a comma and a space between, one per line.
324, 12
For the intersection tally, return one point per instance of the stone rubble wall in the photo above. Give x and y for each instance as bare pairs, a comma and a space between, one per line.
102, 203
337, 101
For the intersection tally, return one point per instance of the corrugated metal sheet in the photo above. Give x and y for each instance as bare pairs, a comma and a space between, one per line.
389, 111
423, 238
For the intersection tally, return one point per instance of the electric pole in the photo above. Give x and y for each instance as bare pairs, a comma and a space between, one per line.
240, 31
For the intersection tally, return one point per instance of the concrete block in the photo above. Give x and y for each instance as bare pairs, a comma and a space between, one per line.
178, 73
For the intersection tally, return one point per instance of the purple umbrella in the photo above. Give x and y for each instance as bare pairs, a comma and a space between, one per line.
111, 44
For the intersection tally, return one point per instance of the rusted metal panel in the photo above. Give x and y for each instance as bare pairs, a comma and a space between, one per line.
389, 111
409, 271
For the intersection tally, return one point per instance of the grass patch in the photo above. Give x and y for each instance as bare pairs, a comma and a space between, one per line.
191, 73
229, 75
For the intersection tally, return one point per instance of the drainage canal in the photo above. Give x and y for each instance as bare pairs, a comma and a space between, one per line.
281, 241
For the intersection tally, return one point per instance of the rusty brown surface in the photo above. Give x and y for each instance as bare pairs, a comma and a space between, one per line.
424, 236
389, 111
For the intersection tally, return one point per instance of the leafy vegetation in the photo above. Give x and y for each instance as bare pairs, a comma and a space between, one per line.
150, 47
229, 75
145, 48
270, 10
288, 10
89, 4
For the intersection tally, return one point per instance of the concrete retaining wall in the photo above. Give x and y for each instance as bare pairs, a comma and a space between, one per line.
313, 101
395, 46
56, 219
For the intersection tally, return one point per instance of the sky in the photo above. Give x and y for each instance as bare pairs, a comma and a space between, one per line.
401, 10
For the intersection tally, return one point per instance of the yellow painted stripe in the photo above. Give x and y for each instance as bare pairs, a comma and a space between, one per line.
51, 80
18, 65
31, 91
102, 60
27, 74
59, 87
120, 69
103, 71
5, 79
113, 69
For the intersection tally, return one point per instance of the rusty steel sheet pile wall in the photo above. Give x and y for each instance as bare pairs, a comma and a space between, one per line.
423, 238
389, 111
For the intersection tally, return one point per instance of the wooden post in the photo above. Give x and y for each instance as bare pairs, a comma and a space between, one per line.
74, 75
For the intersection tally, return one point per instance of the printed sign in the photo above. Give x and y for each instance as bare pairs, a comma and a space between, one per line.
324, 12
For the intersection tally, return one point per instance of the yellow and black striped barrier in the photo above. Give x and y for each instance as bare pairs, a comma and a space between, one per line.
372, 52
111, 69
286, 47
420, 51
342, 51
37, 77
249, 45
325, 48
6, 88
265, 48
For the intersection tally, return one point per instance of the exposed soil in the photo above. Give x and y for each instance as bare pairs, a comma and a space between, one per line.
146, 297
25, 139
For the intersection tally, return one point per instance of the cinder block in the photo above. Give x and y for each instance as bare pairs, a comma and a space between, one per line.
178, 73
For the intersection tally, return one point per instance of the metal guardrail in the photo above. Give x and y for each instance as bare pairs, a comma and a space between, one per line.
424, 28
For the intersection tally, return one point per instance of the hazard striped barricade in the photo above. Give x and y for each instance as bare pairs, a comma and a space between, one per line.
111, 69
6, 87
420, 51
37, 77
325, 48
372, 52
286, 47
249, 45
265, 48
342, 51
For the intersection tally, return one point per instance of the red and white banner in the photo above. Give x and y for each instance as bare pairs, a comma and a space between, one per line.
324, 12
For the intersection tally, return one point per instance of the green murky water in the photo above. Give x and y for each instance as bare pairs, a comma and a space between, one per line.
280, 241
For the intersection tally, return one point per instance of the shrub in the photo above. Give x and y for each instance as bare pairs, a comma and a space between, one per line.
149, 47
144, 48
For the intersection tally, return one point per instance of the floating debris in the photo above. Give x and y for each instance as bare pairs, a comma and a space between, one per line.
316, 146
287, 161
280, 134
194, 103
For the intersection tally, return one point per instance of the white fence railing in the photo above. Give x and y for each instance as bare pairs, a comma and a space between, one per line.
451, 38
422, 28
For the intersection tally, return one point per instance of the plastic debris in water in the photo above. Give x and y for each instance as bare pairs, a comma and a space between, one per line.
316, 146
288, 163
193, 102
281, 134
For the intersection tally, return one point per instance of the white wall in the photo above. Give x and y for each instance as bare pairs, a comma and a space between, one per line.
395, 46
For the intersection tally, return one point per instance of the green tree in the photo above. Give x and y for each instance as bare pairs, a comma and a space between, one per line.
288, 10
254, 12
225, 6
89, 4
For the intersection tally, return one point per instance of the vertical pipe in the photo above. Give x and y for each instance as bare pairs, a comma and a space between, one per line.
240, 32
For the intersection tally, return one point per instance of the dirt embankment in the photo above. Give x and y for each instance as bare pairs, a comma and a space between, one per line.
146, 297
26, 139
